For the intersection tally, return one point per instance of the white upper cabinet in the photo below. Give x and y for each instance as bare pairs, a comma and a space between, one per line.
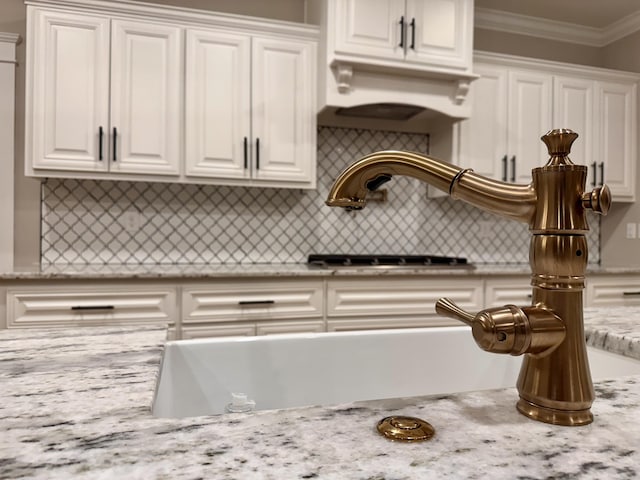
439, 33
185, 96
68, 99
509, 110
218, 104
250, 109
515, 101
284, 133
617, 137
146, 98
105, 95
413, 34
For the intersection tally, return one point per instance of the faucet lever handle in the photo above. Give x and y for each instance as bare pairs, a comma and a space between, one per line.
509, 329
448, 308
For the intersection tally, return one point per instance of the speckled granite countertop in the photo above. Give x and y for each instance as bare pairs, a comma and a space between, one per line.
75, 404
195, 271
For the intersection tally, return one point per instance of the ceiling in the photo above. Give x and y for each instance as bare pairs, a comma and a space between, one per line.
590, 13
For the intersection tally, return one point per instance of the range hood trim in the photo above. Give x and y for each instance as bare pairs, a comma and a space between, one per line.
348, 85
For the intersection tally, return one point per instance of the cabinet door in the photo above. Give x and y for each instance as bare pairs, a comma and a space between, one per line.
68, 97
283, 111
573, 107
617, 146
217, 120
370, 28
439, 33
483, 137
529, 118
146, 105
613, 290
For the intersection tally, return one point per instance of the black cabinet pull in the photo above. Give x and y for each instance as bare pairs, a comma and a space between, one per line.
256, 302
93, 307
401, 45
631, 294
257, 153
595, 174
601, 173
513, 168
413, 34
246, 153
115, 136
504, 168
100, 135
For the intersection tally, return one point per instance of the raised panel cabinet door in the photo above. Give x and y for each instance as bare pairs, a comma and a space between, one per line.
440, 33
370, 28
483, 137
617, 148
529, 117
146, 98
218, 108
283, 111
67, 104
574, 107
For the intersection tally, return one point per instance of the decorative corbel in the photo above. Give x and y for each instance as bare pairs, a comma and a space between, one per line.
344, 77
462, 88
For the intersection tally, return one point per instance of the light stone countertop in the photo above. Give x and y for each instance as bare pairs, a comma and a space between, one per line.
74, 403
206, 271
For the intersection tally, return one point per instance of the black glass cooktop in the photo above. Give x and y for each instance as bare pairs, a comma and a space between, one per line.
338, 260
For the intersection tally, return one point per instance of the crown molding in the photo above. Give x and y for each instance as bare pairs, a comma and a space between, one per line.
10, 37
555, 30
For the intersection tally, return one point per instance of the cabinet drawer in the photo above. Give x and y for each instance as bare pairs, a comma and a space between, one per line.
252, 302
80, 305
399, 296
235, 330
613, 291
508, 291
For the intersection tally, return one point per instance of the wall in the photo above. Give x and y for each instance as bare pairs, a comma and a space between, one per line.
617, 250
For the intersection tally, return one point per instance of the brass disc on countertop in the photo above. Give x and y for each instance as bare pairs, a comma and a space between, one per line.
405, 429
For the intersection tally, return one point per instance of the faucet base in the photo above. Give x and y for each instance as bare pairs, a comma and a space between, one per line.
567, 418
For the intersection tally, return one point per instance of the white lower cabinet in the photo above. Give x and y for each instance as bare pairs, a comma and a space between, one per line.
251, 308
82, 305
374, 303
613, 290
511, 290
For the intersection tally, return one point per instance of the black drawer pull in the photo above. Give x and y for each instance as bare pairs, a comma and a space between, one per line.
401, 22
100, 136
413, 34
504, 168
257, 153
631, 294
513, 168
115, 144
246, 153
601, 173
93, 307
256, 302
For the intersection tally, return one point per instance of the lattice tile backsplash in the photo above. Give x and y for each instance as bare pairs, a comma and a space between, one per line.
87, 221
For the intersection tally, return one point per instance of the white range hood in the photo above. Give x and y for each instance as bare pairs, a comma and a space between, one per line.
405, 61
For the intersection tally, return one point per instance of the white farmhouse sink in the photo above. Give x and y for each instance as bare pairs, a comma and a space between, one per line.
204, 376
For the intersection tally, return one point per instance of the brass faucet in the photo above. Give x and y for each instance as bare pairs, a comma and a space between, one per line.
555, 381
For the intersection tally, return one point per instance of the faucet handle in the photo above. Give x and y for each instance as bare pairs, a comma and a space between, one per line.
509, 329
598, 200
447, 308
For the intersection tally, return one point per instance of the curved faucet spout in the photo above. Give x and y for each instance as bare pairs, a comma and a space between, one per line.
349, 191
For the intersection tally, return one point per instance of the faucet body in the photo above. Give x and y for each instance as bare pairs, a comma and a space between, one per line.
555, 383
